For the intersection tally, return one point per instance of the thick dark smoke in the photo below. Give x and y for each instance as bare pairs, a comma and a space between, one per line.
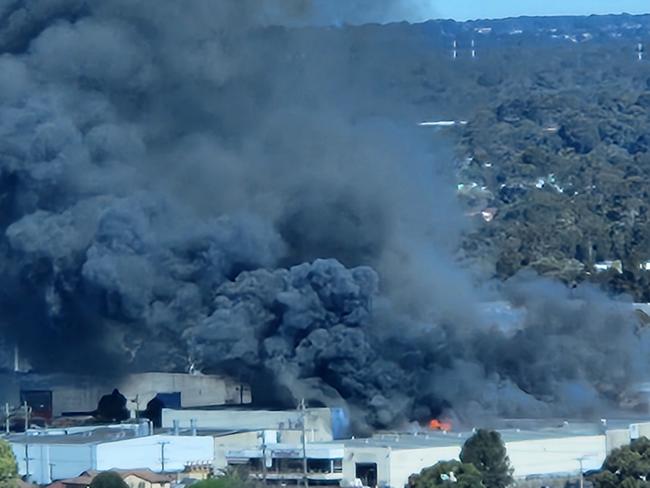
183, 183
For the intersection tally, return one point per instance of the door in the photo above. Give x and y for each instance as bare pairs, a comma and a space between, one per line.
367, 473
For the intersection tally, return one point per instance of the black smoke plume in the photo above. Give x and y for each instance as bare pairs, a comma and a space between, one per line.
197, 183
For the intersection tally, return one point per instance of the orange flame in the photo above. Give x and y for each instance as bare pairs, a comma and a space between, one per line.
436, 424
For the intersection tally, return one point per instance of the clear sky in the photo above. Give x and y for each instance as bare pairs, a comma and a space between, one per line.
473, 9
362, 11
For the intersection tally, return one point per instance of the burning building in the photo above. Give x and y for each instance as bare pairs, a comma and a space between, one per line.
202, 184
53, 395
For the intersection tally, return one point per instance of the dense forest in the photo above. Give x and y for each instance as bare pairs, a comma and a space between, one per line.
557, 141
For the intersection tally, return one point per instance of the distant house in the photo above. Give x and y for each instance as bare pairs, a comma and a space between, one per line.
488, 214
603, 266
645, 266
138, 478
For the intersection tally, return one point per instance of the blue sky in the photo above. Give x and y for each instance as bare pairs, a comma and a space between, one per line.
361, 11
472, 9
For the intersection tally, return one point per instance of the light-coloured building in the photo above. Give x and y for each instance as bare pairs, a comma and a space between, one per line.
285, 463
53, 455
54, 394
321, 424
388, 459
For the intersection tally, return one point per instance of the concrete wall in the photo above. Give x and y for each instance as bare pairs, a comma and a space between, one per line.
71, 393
83, 397
641, 429
318, 420
146, 452
48, 462
370, 454
196, 390
239, 440
529, 457
616, 438
394, 466
405, 462
553, 456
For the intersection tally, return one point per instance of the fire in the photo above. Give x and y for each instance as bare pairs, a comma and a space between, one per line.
436, 424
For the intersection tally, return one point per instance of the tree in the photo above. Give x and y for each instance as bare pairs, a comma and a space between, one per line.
448, 474
627, 466
228, 478
486, 451
108, 479
8, 467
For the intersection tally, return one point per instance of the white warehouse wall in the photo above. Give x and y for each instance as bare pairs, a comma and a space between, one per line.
403, 463
560, 455
370, 454
145, 452
318, 420
48, 462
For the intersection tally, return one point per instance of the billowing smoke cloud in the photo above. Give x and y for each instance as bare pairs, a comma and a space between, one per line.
183, 183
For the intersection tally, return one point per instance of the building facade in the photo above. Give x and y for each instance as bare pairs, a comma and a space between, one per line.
321, 424
43, 458
54, 395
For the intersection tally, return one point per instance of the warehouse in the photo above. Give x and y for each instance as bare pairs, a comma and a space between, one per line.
389, 459
321, 424
281, 463
52, 454
52, 395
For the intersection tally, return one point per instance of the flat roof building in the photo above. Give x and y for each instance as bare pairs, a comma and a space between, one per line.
321, 424
388, 459
59, 454
52, 395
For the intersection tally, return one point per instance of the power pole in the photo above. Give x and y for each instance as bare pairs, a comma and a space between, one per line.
264, 457
162, 455
27, 409
303, 415
6, 418
27, 459
137, 406
582, 477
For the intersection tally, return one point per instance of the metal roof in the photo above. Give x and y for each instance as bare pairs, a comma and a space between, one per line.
95, 436
426, 440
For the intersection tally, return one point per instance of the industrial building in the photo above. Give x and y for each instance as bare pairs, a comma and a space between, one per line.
54, 454
321, 424
276, 446
389, 459
53, 395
